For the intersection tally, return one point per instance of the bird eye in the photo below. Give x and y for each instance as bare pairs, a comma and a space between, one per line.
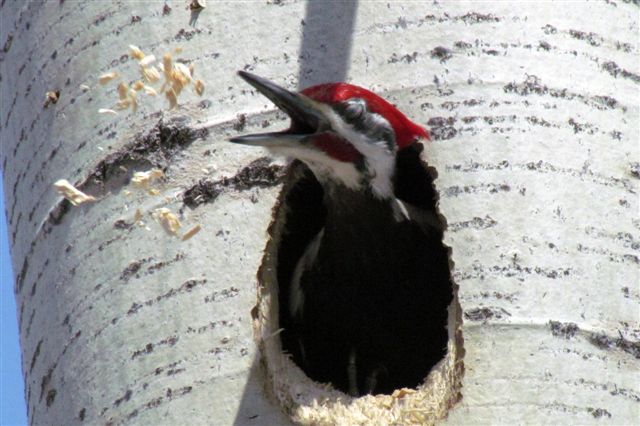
355, 108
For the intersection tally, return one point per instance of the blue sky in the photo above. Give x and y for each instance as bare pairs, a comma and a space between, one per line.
13, 410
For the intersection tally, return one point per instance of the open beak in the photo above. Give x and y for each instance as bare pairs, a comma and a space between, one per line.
306, 117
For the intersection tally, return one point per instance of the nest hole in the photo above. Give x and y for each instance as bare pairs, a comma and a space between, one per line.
298, 217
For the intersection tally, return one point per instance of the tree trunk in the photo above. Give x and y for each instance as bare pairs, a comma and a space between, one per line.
533, 113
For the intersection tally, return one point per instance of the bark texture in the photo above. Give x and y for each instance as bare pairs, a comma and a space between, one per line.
533, 108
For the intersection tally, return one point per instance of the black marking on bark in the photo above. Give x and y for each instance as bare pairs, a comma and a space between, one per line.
486, 313
512, 270
546, 167
604, 341
566, 330
30, 322
36, 353
544, 45
163, 264
634, 168
592, 38
613, 69
462, 45
7, 45
475, 223
186, 287
185, 34
477, 18
133, 268
407, 58
259, 173
149, 347
441, 128
45, 381
241, 122
51, 396
441, 53
82, 414
598, 412
492, 188
612, 256
124, 398
212, 325
533, 85
224, 294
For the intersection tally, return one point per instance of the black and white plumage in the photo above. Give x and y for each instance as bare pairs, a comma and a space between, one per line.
364, 284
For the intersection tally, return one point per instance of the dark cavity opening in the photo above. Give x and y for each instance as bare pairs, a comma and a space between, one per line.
411, 327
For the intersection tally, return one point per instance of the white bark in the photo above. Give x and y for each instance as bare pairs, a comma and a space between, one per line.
534, 111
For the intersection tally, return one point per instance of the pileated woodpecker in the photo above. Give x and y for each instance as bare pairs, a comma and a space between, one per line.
366, 300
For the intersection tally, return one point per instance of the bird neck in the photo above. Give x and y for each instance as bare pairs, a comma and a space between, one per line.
354, 211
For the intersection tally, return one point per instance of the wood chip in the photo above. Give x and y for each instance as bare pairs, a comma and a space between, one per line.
148, 60
144, 179
199, 87
123, 89
136, 52
168, 220
150, 91
107, 77
151, 74
191, 232
71, 193
173, 99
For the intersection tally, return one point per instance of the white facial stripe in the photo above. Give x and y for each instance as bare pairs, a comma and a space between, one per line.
325, 167
380, 161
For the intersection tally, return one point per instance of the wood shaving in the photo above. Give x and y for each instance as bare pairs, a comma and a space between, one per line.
107, 111
136, 52
144, 179
107, 77
84, 87
154, 191
168, 220
167, 65
123, 104
71, 193
123, 89
173, 99
199, 87
191, 232
148, 60
150, 91
133, 99
138, 85
150, 74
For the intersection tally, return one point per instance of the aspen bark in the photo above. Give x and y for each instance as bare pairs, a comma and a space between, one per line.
533, 111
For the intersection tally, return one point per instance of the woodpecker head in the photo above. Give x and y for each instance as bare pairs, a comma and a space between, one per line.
344, 133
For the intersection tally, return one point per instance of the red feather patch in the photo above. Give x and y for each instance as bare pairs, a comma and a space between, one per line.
406, 131
336, 147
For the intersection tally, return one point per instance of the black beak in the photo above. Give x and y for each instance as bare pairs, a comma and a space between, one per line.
306, 116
